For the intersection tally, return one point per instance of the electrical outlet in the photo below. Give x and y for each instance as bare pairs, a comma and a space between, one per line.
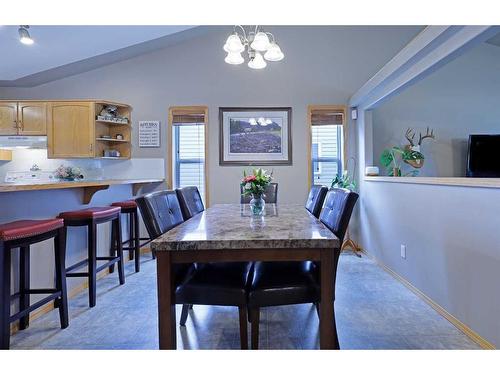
403, 251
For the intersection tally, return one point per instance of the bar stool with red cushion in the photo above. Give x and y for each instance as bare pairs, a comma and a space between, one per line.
133, 244
91, 217
21, 234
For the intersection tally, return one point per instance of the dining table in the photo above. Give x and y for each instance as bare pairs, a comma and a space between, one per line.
231, 233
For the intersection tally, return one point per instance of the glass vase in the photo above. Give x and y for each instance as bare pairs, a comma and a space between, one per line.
257, 204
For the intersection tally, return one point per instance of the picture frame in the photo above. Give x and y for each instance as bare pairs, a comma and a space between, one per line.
250, 136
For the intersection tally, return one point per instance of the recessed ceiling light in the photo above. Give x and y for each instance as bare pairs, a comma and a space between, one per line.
24, 35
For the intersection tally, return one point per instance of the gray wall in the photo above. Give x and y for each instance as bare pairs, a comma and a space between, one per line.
322, 65
459, 99
451, 233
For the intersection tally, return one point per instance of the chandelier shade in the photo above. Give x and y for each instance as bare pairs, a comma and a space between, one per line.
260, 42
233, 44
274, 53
257, 62
234, 58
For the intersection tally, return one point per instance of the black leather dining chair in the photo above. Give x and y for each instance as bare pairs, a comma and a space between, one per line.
270, 195
316, 199
220, 284
190, 201
290, 283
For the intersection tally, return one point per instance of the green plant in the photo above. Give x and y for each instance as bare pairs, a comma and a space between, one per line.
391, 159
345, 181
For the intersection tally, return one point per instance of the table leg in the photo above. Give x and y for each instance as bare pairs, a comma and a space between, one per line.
327, 331
166, 301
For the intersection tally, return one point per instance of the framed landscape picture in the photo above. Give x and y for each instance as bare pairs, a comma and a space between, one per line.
255, 136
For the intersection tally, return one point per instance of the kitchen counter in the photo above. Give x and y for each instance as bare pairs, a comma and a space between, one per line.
90, 187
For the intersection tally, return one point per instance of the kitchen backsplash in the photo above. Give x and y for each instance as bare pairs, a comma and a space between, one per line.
23, 160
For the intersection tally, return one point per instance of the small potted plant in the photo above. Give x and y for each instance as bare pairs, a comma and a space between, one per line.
68, 173
391, 160
255, 184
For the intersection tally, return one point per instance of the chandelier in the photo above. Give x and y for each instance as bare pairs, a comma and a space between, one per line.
261, 46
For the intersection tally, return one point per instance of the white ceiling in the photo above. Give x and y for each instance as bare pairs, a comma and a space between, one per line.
56, 46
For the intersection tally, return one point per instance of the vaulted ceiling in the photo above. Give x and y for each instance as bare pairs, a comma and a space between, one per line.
63, 50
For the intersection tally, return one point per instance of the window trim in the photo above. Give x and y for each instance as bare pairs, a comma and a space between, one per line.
310, 109
186, 110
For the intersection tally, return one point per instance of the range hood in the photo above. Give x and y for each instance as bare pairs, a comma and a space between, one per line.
11, 142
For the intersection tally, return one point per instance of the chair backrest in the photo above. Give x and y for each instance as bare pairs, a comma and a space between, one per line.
190, 201
316, 199
337, 210
270, 195
160, 212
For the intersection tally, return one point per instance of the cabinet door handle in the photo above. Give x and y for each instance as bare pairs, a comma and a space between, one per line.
20, 125
15, 124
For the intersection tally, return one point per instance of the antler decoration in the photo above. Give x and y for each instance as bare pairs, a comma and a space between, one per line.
410, 136
427, 135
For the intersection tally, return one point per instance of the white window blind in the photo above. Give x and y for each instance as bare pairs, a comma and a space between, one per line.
189, 155
326, 148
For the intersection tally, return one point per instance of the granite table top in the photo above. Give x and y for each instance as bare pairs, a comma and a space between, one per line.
232, 226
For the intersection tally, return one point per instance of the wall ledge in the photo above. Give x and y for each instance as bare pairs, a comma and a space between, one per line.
443, 181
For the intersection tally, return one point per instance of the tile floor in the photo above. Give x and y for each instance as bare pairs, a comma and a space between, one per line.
373, 311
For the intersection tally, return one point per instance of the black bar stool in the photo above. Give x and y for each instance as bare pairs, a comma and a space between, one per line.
22, 234
133, 244
91, 217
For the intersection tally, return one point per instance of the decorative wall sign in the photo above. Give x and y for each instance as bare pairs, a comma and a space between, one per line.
255, 136
149, 133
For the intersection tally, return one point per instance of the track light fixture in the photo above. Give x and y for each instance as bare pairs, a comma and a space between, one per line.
24, 35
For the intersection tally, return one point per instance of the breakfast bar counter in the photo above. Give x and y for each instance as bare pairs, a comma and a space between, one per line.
90, 187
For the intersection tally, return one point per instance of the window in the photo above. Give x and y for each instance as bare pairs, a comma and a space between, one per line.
187, 167
327, 144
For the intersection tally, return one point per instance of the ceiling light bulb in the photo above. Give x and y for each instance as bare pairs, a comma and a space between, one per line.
252, 121
234, 58
233, 44
24, 35
260, 42
274, 53
257, 62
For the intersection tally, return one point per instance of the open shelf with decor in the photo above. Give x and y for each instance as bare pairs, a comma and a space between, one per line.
112, 130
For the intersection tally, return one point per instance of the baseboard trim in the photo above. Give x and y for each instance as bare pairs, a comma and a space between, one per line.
45, 309
483, 343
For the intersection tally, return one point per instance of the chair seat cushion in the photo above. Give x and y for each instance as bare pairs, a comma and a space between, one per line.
222, 284
28, 228
125, 204
90, 213
283, 283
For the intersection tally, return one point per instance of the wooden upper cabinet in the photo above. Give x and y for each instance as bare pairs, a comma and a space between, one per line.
70, 130
8, 118
32, 118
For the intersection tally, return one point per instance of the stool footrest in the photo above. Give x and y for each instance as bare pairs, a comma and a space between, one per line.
77, 265
35, 306
107, 264
77, 274
41, 291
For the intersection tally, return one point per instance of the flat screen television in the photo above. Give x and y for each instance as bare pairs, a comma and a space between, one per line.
483, 156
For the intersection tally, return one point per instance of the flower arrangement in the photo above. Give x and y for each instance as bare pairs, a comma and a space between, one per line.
256, 183
68, 173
